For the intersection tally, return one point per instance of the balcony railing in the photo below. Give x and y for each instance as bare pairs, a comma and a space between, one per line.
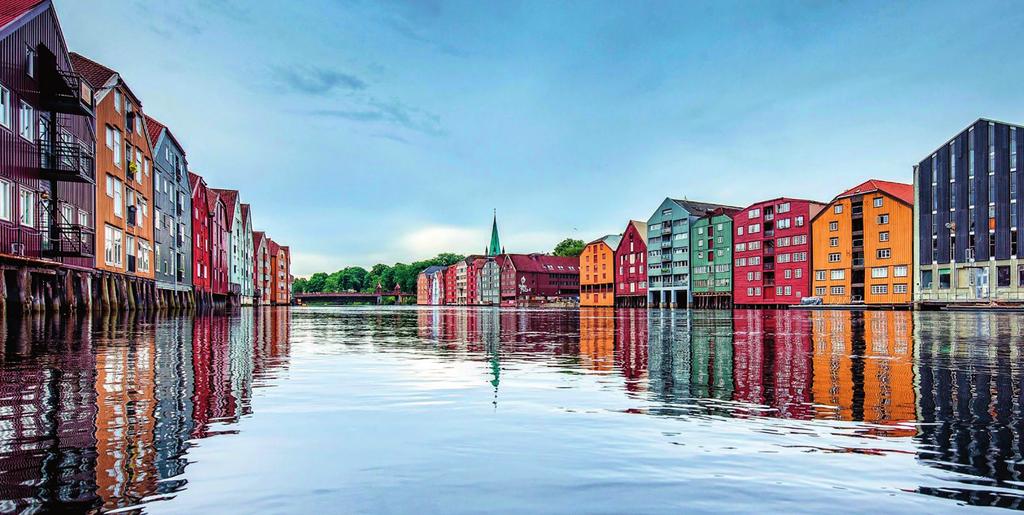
66, 162
68, 240
666, 244
66, 92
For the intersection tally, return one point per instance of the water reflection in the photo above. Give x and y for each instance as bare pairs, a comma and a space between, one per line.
102, 413
99, 413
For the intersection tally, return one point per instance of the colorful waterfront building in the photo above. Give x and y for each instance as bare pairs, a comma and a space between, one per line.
772, 252
423, 288
47, 157
711, 239
201, 245
631, 267
863, 245
429, 286
436, 284
234, 246
473, 268
124, 159
219, 237
172, 214
261, 269
281, 278
597, 272
967, 216
490, 280
449, 284
539, 279
669, 251
245, 247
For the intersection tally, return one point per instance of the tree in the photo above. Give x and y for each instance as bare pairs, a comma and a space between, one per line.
316, 283
300, 286
569, 248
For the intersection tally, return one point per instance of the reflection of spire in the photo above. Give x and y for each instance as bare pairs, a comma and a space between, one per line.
492, 342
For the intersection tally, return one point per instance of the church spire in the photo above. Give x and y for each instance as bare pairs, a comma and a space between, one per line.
495, 247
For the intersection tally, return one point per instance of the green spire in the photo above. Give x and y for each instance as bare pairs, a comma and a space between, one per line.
495, 247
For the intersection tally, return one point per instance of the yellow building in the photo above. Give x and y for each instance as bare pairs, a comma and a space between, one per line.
863, 246
597, 272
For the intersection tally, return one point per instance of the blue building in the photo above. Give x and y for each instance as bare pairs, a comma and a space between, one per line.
966, 218
172, 214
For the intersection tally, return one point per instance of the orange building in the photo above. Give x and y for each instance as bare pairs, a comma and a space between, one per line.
863, 246
597, 272
280, 273
124, 182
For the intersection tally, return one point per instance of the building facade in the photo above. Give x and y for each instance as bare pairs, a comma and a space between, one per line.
711, 238
281, 280
490, 281
124, 164
668, 251
201, 245
245, 247
631, 267
47, 152
863, 246
597, 272
772, 252
436, 283
261, 269
219, 237
235, 244
539, 279
172, 213
966, 218
450, 274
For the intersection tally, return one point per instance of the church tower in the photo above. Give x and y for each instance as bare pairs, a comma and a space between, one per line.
494, 248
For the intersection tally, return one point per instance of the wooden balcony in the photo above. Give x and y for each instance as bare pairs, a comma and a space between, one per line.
66, 161
69, 240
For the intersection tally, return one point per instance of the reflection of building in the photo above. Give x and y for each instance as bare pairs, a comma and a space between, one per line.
711, 361
631, 346
772, 361
597, 338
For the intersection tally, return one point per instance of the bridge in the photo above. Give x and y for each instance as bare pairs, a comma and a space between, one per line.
380, 296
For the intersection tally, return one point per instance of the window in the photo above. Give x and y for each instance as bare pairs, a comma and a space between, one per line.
819, 275
884, 253
118, 192
833, 226
739, 231
877, 202
926, 279
754, 213
28, 208
944, 279
1003, 276
789, 291
783, 208
899, 271
30, 61
754, 228
879, 272
879, 289
834, 257
799, 221
838, 290
838, 274
117, 100
899, 288
799, 273
883, 219
26, 121
5, 200
883, 236
785, 223
143, 256
114, 143
819, 291
5, 107
740, 247
833, 242
112, 245
838, 209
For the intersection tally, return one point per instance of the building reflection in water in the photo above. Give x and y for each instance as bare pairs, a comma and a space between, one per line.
103, 418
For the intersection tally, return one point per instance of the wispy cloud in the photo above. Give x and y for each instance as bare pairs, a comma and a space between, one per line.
391, 112
316, 80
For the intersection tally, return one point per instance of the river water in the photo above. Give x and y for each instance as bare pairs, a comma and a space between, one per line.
449, 410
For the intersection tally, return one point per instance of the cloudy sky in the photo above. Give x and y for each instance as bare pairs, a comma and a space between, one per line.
365, 131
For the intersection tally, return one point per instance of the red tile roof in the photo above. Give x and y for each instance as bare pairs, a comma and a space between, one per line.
11, 10
229, 198
257, 238
154, 128
899, 190
272, 247
540, 262
94, 73
211, 201
245, 214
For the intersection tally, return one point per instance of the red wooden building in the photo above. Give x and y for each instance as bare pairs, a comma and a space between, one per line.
772, 252
47, 153
631, 267
474, 264
200, 239
450, 280
538, 279
219, 235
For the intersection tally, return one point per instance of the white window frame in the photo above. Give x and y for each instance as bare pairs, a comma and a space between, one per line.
6, 109
27, 200
26, 121
6, 200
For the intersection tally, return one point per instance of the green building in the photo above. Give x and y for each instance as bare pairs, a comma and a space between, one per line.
711, 266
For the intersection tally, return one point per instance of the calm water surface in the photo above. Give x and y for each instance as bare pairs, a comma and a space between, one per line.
479, 410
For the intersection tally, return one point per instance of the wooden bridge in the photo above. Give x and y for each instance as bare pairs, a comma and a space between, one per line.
380, 296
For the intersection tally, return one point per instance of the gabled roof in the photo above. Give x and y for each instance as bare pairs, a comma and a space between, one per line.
430, 270
94, 73
212, 198
272, 247
540, 262
11, 10
229, 198
245, 215
258, 237
701, 208
897, 190
641, 229
154, 128
611, 240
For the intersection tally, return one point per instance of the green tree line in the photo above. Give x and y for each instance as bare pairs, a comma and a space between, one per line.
359, 279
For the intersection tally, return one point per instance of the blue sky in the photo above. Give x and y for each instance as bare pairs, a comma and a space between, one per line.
367, 132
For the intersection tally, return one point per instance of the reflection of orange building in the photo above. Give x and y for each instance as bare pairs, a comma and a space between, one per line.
597, 272
126, 400
863, 366
597, 338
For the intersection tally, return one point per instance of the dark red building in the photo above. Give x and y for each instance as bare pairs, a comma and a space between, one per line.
631, 267
47, 145
200, 238
538, 279
474, 264
219, 234
772, 252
